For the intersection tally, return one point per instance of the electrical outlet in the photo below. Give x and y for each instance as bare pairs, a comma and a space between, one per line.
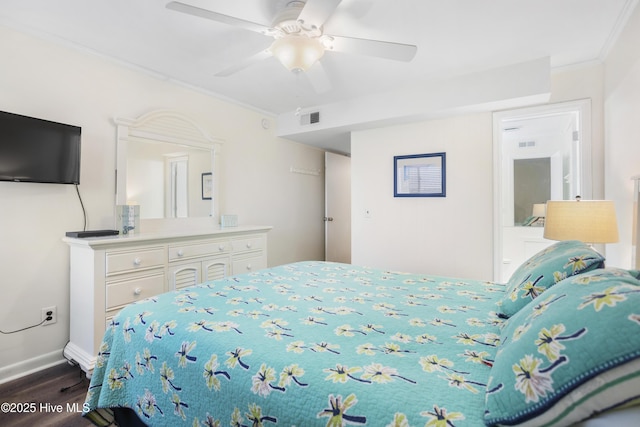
49, 315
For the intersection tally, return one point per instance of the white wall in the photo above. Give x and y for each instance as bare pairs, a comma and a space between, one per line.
450, 236
45, 80
444, 236
622, 113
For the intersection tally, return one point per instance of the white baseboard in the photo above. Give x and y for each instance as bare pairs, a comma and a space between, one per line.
29, 366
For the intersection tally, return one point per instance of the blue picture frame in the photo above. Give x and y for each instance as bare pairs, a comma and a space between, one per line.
420, 175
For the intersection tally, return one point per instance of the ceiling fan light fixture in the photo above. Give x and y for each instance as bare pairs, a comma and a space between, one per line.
297, 52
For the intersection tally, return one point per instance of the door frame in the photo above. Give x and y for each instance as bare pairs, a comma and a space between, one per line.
583, 107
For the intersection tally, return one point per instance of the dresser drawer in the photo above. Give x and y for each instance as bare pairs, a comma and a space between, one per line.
252, 243
179, 252
123, 262
249, 264
128, 291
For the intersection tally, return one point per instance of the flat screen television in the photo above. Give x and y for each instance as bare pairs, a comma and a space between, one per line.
37, 150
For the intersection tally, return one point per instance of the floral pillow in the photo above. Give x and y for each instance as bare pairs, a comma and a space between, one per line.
571, 353
545, 269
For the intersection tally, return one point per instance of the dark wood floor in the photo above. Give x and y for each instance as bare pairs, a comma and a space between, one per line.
44, 389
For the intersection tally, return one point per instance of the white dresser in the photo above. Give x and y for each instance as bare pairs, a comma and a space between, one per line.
108, 273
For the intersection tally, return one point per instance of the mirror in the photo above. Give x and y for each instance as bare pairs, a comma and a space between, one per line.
162, 161
531, 186
165, 179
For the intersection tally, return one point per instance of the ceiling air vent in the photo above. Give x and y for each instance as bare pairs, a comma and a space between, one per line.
309, 119
525, 144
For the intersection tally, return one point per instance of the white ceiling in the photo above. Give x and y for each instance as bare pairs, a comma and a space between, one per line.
454, 37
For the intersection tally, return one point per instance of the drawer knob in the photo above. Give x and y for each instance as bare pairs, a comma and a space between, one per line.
180, 252
221, 248
137, 291
248, 266
137, 261
249, 245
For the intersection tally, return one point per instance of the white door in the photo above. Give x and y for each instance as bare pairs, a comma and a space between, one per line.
337, 228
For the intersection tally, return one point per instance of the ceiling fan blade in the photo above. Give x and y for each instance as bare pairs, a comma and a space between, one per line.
218, 17
316, 12
381, 49
247, 62
318, 78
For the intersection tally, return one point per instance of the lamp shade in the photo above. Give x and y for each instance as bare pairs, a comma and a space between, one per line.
590, 221
539, 210
297, 53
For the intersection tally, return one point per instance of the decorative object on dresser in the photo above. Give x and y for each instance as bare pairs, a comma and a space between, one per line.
109, 273
228, 220
128, 219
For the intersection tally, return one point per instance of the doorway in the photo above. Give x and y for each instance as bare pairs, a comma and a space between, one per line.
177, 190
540, 153
337, 219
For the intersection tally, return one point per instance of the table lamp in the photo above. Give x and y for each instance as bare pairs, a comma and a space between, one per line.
590, 221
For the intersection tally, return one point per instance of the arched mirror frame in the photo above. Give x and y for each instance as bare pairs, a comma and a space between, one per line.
583, 108
165, 126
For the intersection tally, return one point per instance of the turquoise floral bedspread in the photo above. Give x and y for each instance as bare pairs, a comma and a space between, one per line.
304, 344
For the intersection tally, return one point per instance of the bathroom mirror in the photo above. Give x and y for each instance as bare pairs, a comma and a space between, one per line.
161, 160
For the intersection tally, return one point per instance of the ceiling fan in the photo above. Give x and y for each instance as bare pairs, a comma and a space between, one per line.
299, 37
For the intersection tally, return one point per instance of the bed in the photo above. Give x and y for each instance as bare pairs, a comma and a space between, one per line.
329, 344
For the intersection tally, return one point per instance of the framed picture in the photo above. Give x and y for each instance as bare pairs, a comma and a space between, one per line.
420, 175
207, 186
